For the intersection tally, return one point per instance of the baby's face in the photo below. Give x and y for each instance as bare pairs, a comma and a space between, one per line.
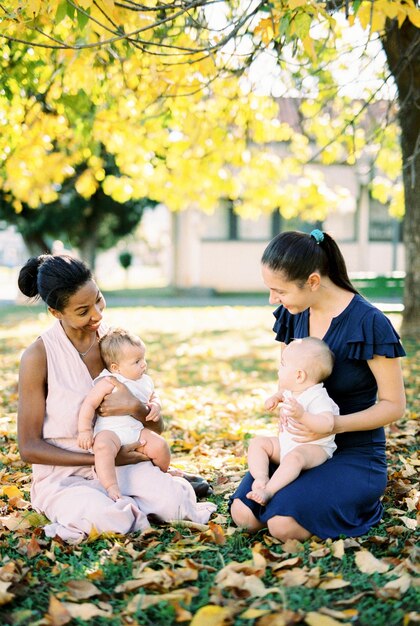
288, 368
132, 363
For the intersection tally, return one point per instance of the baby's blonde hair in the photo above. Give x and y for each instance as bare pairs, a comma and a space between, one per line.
113, 342
318, 360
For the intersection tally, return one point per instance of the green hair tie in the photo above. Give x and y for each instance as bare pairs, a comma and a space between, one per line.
318, 235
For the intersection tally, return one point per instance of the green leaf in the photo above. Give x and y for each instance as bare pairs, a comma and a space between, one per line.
302, 24
70, 11
83, 18
356, 6
36, 519
284, 25
61, 12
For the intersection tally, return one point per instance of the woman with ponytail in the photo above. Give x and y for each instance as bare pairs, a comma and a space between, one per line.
307, 279
56, 373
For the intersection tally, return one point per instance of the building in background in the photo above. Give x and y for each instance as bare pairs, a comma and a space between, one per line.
222, 251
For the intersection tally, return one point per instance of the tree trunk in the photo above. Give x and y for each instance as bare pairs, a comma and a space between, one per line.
36, 244
402, 48
88, 250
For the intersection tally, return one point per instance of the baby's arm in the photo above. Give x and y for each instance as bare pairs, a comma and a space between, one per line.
322, 423
155, 408
273, 401
87, 411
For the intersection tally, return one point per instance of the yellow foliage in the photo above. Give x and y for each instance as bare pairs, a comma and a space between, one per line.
413, 15
397, 203
86, 184
184, 151
381, 189
33, 7
374, 14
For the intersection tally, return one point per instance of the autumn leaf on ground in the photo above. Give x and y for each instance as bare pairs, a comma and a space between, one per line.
319, 619
369, 564
211, 615
5, 595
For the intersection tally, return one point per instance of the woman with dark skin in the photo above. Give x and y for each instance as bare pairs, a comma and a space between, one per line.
307, 278
56, 373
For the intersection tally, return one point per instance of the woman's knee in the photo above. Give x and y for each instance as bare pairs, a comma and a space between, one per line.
243, 516
284, 528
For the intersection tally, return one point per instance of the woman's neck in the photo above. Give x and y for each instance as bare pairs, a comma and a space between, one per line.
329, 303
330, 300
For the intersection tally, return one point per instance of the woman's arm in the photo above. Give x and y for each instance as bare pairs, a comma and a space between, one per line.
31, 413
122, 401
390, 405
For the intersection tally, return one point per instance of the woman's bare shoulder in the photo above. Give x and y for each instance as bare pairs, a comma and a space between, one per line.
35, 354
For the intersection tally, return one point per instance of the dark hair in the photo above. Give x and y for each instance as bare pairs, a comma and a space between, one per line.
54, 278
297, 255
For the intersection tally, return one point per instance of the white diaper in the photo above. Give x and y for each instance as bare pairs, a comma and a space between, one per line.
125, 427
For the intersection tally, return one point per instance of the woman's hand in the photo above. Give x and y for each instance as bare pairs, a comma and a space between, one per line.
129, 455
301, 433
119, 402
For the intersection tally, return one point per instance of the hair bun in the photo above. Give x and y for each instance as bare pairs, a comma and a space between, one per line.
28, 275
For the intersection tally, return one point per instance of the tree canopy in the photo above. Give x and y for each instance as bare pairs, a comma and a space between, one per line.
171, 88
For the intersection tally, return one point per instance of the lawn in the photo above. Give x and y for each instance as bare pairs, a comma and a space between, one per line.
214, 366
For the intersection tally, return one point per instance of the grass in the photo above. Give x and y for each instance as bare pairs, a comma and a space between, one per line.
214, 366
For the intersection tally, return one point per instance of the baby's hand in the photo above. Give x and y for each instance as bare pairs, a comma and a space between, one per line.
291, 408
85, 439
155, 410
271, 403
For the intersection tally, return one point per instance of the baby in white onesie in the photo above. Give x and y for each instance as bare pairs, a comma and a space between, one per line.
124, 356
305, 363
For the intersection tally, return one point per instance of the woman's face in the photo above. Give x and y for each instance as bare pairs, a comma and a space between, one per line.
294, 297
84, 308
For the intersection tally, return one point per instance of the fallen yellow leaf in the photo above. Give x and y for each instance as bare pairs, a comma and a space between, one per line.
5, 596
337, 549
57, 613
254, 613
317, 619
402, 584
211, 615
369, 564
81, 589
85, 611
11, 492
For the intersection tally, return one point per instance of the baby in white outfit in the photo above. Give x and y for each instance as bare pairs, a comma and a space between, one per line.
124, 356
304, 365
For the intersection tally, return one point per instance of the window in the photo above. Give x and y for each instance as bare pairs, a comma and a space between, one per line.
382, 226
225, 225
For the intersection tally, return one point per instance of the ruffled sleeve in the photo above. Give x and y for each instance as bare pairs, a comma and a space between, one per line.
374, 334
284, 325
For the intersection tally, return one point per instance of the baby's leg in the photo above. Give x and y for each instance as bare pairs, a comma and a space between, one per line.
300, 458
156, 448
105, 448
261, 451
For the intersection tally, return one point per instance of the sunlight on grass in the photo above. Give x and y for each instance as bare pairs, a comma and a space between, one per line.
213, 368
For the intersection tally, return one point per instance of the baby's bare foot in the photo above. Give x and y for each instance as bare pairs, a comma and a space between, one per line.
261, 496
114, 492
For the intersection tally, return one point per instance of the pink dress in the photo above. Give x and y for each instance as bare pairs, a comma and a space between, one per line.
72, 497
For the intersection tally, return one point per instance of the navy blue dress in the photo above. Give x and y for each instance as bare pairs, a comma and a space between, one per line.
341, 496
